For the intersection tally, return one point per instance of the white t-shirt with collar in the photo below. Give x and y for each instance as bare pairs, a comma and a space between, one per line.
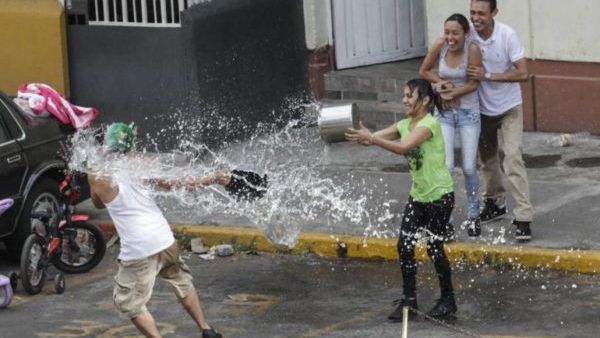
499, 52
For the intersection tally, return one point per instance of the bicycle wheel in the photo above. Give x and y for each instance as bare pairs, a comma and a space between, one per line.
33, 275
82, 248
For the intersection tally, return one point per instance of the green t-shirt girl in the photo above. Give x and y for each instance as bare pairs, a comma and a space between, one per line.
431, 198
427, 162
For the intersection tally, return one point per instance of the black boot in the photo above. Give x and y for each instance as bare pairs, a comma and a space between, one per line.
211, 333
449, 233
491, 210
445, 307
523, 232
396, 315
473, 226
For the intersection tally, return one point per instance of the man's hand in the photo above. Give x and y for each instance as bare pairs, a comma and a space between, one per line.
476, 73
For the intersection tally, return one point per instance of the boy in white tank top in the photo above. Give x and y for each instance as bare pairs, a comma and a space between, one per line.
148, 248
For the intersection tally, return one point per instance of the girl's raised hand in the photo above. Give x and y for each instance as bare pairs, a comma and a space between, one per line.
361, 136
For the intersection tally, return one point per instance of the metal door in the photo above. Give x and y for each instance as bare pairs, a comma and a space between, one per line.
376, 31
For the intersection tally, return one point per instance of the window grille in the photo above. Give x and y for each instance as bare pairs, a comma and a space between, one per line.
144, 13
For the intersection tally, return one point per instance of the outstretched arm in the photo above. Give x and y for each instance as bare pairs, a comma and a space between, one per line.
365, 137
190, 184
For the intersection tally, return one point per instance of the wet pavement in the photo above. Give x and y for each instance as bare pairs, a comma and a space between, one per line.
307, 296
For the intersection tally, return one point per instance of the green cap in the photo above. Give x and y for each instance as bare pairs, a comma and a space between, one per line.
119, 137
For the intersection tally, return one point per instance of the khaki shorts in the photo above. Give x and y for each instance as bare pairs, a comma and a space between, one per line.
135, 280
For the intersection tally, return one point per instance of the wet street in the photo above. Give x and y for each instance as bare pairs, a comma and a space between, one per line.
306, 296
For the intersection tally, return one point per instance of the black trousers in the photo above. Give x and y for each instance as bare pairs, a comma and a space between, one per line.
434, 217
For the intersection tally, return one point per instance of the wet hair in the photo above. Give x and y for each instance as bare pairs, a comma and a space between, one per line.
424, 89
461, 19
492, 4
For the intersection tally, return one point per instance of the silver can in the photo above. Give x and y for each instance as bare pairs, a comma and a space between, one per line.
334, 121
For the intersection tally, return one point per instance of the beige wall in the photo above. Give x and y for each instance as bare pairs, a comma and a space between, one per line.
549, 29
33, 36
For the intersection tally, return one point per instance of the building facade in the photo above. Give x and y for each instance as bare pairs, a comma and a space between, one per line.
562, 50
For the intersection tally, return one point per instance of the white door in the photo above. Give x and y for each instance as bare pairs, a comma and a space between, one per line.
376, 31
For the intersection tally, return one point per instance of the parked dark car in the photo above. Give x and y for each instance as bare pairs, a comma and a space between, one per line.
31, 168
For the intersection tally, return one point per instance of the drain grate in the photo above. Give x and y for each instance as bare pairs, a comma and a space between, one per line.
584, 162
541, 161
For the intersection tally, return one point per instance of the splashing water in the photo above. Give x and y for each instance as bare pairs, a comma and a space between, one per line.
299, 194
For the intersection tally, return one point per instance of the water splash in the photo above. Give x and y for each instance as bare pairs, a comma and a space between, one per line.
300, 191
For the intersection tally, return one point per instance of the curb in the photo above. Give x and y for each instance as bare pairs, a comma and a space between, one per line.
336, 246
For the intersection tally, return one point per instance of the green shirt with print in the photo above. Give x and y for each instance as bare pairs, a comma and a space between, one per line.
427, 162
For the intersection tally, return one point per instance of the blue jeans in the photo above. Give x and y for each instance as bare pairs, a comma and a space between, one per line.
468, 123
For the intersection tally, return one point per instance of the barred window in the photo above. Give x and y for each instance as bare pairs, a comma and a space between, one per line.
150, 13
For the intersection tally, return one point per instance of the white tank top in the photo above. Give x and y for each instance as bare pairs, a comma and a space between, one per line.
458, 76
142, 228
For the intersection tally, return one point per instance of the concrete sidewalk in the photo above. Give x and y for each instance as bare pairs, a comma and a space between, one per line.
565, 189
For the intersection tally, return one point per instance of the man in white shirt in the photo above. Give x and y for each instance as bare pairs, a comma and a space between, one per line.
504, 66
148, 247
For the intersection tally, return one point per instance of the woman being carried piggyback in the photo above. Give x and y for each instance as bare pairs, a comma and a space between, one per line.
459, 108
431, 195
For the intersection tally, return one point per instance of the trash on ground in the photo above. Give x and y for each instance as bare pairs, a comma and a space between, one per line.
223, 250
207, 256
198, 246
562, 140
238, 297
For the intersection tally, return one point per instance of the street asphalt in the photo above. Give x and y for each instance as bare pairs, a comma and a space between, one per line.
302, 296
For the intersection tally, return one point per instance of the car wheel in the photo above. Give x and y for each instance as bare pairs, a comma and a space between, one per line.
43, 197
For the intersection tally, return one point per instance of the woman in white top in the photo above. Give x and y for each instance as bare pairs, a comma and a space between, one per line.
453, 53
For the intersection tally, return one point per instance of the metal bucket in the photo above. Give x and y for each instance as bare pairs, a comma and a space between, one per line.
334, 121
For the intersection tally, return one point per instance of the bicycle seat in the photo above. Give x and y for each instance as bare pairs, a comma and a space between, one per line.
43, 216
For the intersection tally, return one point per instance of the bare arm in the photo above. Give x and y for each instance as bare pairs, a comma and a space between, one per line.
518, 74
96, 200
190, 184
365, 137
432, 57
388, 133
101, 190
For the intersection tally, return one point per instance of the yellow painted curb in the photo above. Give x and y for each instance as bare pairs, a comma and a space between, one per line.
332, 245
327, 245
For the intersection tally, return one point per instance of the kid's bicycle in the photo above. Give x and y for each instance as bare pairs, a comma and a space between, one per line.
65, 240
